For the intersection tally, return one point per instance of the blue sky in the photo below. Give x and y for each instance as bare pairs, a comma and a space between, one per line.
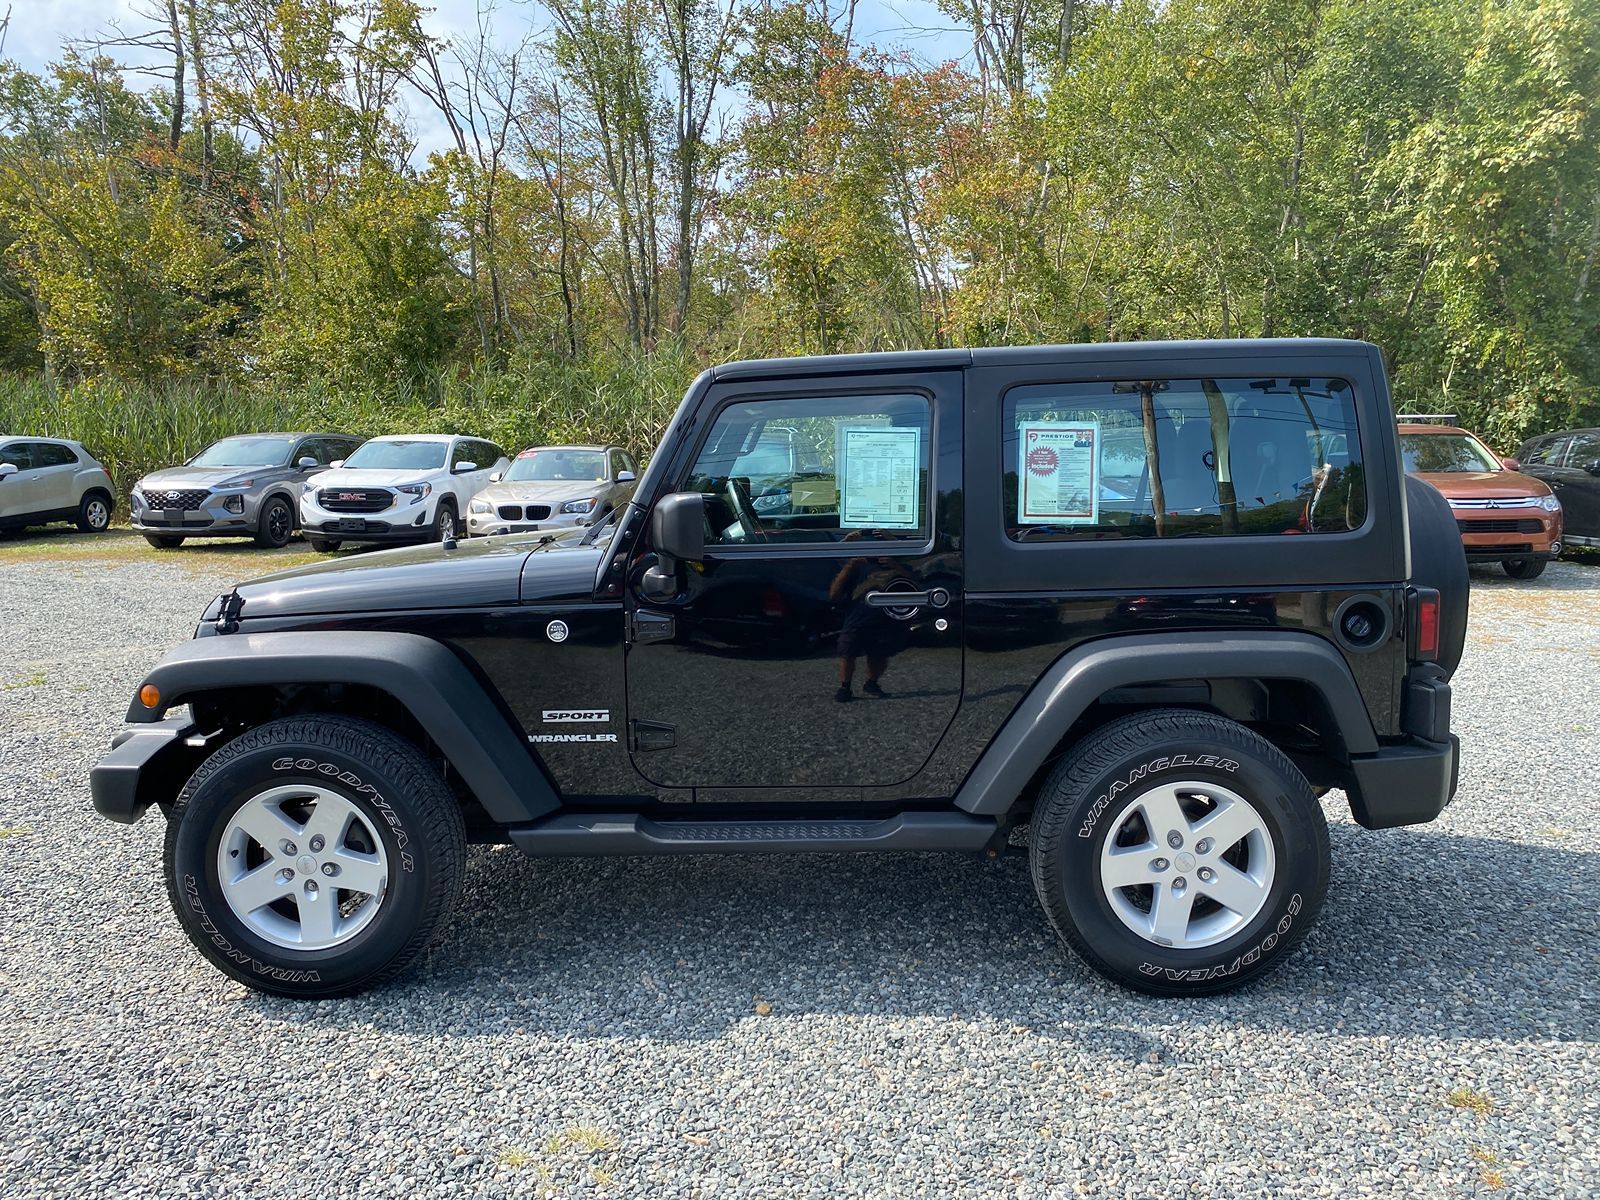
38, 27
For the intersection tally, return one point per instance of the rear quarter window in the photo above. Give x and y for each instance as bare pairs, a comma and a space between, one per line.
1181, 458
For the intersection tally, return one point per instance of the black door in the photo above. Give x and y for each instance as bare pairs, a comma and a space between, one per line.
818, 644
1577, 483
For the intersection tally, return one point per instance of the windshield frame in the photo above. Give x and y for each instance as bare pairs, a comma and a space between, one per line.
281, 460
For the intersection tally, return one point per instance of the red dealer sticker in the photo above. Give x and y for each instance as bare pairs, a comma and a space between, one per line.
1042, 461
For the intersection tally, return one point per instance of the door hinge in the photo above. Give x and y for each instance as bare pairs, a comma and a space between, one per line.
647, 626
651, 735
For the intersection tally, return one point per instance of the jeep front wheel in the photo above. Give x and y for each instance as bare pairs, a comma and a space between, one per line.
1179, 853
314, 857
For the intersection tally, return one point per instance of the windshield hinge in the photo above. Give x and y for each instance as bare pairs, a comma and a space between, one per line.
228, 618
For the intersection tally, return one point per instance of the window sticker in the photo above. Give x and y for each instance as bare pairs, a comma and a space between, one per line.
879, 477
1060, 473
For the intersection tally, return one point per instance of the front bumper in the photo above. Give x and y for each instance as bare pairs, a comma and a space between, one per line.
485, 524
411, 522
1509, 534
146, 765
211, 519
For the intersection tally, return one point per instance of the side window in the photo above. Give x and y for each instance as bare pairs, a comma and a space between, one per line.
1585, 451
614, 461
818, 469
626, 459
460, 452
489, 454
48, 454
316, 448
1181, 458
18, 454
1546, 452
343, 448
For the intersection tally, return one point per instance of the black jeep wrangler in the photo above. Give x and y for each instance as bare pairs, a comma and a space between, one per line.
1148, 600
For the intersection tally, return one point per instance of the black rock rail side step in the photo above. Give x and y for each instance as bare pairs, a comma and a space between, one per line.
628, 833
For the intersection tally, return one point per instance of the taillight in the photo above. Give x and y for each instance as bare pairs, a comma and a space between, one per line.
1424, 625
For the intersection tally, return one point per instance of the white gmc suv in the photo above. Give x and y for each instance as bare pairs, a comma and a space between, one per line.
407, 488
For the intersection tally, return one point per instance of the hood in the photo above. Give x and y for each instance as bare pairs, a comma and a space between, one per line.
374, 477
541, 491
498, 572
1484, 485
177, 478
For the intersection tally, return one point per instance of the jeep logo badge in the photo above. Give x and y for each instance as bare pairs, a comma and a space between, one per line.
557, 631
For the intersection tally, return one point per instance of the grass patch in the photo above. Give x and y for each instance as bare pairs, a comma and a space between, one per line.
244, 558
34, 680
1474, 1102
14, 831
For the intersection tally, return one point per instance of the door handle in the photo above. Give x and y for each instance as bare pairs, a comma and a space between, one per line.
937, 597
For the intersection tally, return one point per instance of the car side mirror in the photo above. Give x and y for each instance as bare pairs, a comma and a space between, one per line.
338, 462
497, 476
678, 526
306, 464
461, 468
625, 476
7, 469
1593, 466
1510, 463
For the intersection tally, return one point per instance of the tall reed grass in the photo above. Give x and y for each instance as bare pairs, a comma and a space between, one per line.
136, 427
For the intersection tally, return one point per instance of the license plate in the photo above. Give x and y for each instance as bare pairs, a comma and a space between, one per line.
351, 525
175, 516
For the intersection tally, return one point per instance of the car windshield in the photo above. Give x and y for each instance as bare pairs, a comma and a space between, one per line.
1446, 452
557, 464
398, 455
245, 452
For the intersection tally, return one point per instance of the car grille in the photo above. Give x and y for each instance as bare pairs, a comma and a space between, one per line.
355, 500
188, 500
518, 512
1500, 525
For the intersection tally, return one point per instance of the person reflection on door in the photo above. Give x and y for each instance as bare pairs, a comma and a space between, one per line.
866, 632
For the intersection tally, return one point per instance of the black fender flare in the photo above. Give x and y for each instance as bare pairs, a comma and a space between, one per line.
423, 675
1075, 680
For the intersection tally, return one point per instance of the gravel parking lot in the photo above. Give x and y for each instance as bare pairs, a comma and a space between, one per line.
828, 1027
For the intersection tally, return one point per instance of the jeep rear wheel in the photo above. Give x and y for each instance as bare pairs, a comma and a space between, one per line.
1178, 853
314, 856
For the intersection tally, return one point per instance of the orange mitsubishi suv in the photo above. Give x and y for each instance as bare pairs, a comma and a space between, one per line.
1504, 516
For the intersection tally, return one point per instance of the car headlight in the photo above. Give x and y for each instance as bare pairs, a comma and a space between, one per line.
1549, 503
417, 491
237, 483
579, 506
480, 506
308, 487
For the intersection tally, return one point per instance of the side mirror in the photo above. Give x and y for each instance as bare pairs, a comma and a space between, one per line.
7, 469
462, 468
1592, 466
678, 526
306, 464
1510, 463
338, 462
496, 476
625, 476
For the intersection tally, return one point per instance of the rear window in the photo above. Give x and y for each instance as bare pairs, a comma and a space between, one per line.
1181, 458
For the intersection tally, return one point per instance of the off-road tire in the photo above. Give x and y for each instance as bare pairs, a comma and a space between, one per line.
94, 512
274, 523
399, 794
1077, 810
1524, 568
323, 545
163, 541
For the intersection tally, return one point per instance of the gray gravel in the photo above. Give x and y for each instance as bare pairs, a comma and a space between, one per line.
896, 1026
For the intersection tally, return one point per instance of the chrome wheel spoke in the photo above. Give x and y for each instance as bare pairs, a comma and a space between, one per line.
1129, 866
1163, 814
1233, 889
319, 917
258, 888
329, 820
360, 873
1229, 822
1169, 914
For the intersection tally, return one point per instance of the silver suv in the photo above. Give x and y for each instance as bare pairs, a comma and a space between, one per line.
554, 487
51, 479
245, 486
